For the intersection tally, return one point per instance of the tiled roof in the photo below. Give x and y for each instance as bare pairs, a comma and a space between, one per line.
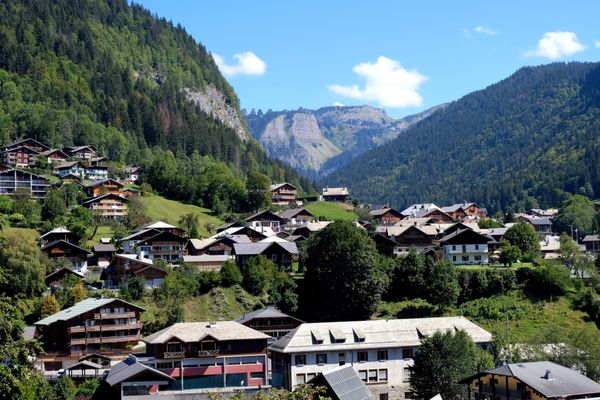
78, 309
377, 333
196, 331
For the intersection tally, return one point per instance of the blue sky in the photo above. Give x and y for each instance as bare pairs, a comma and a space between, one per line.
400, 56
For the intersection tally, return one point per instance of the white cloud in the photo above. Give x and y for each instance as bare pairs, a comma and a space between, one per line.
248, 63
555, 45
338, 104
597, 44
486, 30
388, 83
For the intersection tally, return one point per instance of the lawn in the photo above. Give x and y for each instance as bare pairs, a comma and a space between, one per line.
220, 304
495, 266
160, 209
331, 211
103, 231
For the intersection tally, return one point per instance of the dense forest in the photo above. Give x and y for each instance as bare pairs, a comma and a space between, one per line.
112, 75
527, 141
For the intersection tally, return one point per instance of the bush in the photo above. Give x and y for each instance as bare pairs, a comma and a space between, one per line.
231, 274
475, 284
549, 280
208, 280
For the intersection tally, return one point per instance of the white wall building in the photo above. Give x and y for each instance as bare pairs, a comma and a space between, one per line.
380, 351
466, 246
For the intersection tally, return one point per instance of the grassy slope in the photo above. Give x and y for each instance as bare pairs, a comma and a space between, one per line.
159, 208
331, 211
25, 231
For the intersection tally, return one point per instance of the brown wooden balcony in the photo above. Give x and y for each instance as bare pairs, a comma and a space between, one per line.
130, 314
174, 354
208, 353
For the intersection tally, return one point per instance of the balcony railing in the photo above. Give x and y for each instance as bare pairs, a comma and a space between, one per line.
130, 314
98, 328
174, 354
208, 353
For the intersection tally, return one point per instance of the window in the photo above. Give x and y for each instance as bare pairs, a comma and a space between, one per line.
406, 374
382, 355
476, 247
373, 375
411, 395
310, 376
363, 375
383, 396
453, 247
453, 258
172, 347
300, 379
362, 356
300, 360
321, 359
465, 258
477, 258
274, 257
407, 353
464, 248
342, 358
383, 377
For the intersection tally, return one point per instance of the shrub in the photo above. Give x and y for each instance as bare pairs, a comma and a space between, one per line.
231, 274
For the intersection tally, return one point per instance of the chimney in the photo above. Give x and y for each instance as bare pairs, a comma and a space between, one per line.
141, 255
548, 375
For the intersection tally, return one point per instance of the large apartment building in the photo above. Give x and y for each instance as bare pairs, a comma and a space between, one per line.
380, 351
198, 355
103, 326
14, 180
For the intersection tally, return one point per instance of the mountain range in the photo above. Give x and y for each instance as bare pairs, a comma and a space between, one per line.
527, 141
318, 142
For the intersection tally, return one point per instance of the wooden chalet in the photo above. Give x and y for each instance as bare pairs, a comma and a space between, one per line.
68, 254
29, 142
164, 245
295, 217
19, 157
592, 243
265, 219
283, 193
281, 253
228, 225
82, 152
222, 245
340, 194
386, 246
386, 216
270, 321
104, 326
107, 206
55, 156
132, 173
55, 279
125, 266
104, 186
60, 233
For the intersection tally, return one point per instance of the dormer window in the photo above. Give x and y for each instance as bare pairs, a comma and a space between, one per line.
337, 336
317, 337
359, 336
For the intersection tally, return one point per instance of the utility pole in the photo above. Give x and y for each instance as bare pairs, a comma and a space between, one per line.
506, 353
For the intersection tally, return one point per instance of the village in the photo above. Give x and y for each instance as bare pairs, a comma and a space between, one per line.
102, 337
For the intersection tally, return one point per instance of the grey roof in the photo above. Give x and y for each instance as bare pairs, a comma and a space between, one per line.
338, 191
590, 238
254, 249
78, 309
60, 229
417, 207
85, 364
101, 181
540, 221
100, 248
267, 312
292, 212
196, 331
65, 269
52, 244
382, 211
345, 383
377, 334
276, 186
129, 368
113, 195
562, 382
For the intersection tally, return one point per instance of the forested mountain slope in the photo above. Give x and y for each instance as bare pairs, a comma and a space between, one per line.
110, 74
523, 142
317, 142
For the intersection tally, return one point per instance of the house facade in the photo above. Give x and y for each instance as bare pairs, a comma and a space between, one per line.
265, 220
67, 254
107, 206
295, 218
465, 246
386, 216
14, 180
281, 253
283, 193
340, 194
103, 326
200, 356
380, 351
270, 321
539, 380
19, 157
125, 266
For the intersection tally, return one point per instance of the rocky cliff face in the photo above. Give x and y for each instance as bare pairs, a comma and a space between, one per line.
214, 103
317, 142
